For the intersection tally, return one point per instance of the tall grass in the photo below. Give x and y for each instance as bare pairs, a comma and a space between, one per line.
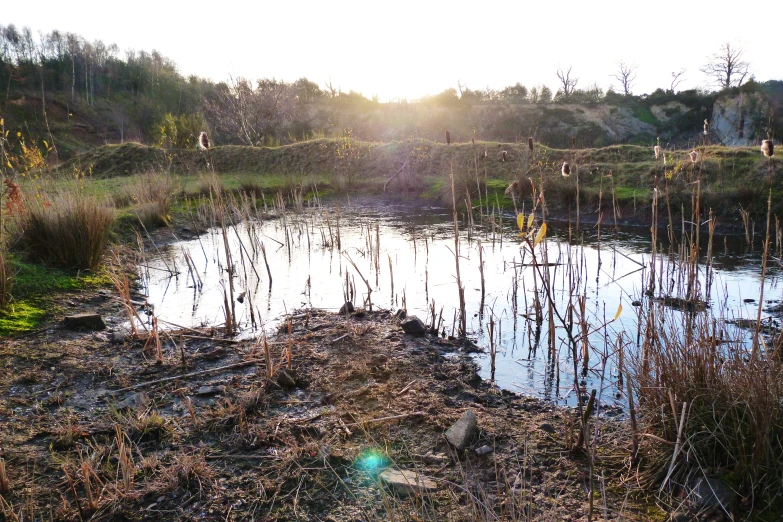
150, 198
734, 406
68, 229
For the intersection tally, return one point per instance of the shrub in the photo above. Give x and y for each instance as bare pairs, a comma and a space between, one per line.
68, 230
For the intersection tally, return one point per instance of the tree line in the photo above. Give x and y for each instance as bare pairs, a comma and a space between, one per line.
145, 98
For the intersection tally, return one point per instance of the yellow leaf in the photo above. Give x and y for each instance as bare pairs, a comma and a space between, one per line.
541, 234
521, 221
619, 311
9, 165
45, 144
530, 219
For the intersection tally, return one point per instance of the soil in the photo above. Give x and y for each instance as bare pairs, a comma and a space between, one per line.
100, 430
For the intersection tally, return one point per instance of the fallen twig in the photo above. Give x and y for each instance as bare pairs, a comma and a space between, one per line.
187, 375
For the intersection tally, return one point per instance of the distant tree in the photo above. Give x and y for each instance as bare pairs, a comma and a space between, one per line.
677, 79
726, 67
568, 83
545, 94
306, 91
626, 75
533, 96
514, 93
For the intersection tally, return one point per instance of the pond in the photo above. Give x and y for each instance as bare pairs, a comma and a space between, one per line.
405, 253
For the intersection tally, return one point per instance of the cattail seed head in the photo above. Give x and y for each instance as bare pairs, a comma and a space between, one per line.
768, 148
566, 170
657, 150
706, 127
448, 138
473, 140
203, 141
530, 144
694, 156
503, 154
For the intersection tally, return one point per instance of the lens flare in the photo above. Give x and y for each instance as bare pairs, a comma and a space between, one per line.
371, 461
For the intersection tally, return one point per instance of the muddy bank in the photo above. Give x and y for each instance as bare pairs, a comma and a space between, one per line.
94, 428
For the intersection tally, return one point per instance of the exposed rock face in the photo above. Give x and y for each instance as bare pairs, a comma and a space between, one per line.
462, 432
740, 120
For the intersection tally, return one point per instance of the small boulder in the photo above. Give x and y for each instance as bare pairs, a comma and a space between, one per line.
347, 308
462, 432
400, 314
713, 495
407, 482
547, 428
413, 325
134, 401
117, 338
483, 450
84, 322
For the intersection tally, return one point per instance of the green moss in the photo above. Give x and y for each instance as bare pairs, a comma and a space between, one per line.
22, 316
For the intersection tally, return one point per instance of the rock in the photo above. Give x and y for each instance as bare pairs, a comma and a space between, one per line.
547, 428
134, 401
84, 322
413, 325
117, 338
462, 432
636, 303
286, 378
712, 495
400, 314
483, 450
347, 308
749, 300
407, 482
210, 390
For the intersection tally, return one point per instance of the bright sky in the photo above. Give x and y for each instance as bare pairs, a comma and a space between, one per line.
408, 49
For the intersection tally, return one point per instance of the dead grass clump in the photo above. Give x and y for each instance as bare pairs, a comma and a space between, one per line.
190, 472
69, 230
149, 426
731, 402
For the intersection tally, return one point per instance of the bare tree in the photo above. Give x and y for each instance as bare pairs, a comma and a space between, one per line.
726, 67
677, 79
568, 83
626, 75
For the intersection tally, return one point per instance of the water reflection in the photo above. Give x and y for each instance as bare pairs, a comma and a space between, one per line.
404, 254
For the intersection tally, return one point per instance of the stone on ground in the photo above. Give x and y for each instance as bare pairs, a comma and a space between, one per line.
462, 432
413, 325
407, 482
713, 495
84, 322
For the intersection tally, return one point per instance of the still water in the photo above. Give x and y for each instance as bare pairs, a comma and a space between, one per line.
406, 255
